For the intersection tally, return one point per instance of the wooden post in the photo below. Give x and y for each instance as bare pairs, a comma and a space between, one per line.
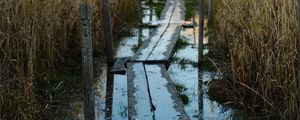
299, 59
140, 15
107, 33
210, 12
139, 10
87, 62
151, 13
200, 55
201, 32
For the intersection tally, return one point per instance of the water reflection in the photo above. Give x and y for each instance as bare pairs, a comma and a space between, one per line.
109, 94
126, 49
185, 73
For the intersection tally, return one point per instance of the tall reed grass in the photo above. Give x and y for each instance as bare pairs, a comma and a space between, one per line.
260, 56
40, 36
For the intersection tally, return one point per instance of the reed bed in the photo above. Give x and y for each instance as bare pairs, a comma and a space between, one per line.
41, 36
260, 53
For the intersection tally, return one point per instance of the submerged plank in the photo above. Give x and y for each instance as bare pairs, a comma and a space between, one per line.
164, 95
139, 106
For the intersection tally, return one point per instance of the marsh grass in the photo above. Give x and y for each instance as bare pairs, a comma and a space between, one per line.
182, 95
38, 37
257, 43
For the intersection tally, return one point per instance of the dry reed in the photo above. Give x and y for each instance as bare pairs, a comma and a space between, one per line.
39, 36
260, 54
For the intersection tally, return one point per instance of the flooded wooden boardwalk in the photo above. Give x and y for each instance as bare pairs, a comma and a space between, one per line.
151, 92
159, 46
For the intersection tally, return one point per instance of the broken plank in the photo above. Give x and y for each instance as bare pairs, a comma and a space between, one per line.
119, 66
164, 95
139, 104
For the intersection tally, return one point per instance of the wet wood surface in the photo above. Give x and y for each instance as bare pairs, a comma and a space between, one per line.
151, 92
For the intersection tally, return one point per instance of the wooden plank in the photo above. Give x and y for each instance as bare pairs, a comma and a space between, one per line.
164, 48
178, 15
147, 47
164, 95
87, 62
139, 104
119, 66
167, 12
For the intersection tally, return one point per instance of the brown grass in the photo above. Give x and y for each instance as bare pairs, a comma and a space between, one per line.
261, 53
39, 36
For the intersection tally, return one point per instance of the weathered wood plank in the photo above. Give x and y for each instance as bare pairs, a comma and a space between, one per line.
164, 95
167, 12
139, 104
147, 47
178, 15
159, 47
164, 48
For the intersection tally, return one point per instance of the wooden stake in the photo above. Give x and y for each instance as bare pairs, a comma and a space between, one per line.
108, 33
210, 12
139, 10
201, 32
299, 59
87, 62
200, 56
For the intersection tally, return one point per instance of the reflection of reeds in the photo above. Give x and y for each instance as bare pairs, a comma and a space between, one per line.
261, 39
37, 36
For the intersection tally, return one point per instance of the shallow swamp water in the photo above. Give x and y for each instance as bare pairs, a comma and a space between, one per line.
183, 70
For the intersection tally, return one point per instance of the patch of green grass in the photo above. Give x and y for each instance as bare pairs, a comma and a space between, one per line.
185, 99
180, 44
158, 9
208, 65
181, 89
136, 47
190, 6
175, 59
189, 11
